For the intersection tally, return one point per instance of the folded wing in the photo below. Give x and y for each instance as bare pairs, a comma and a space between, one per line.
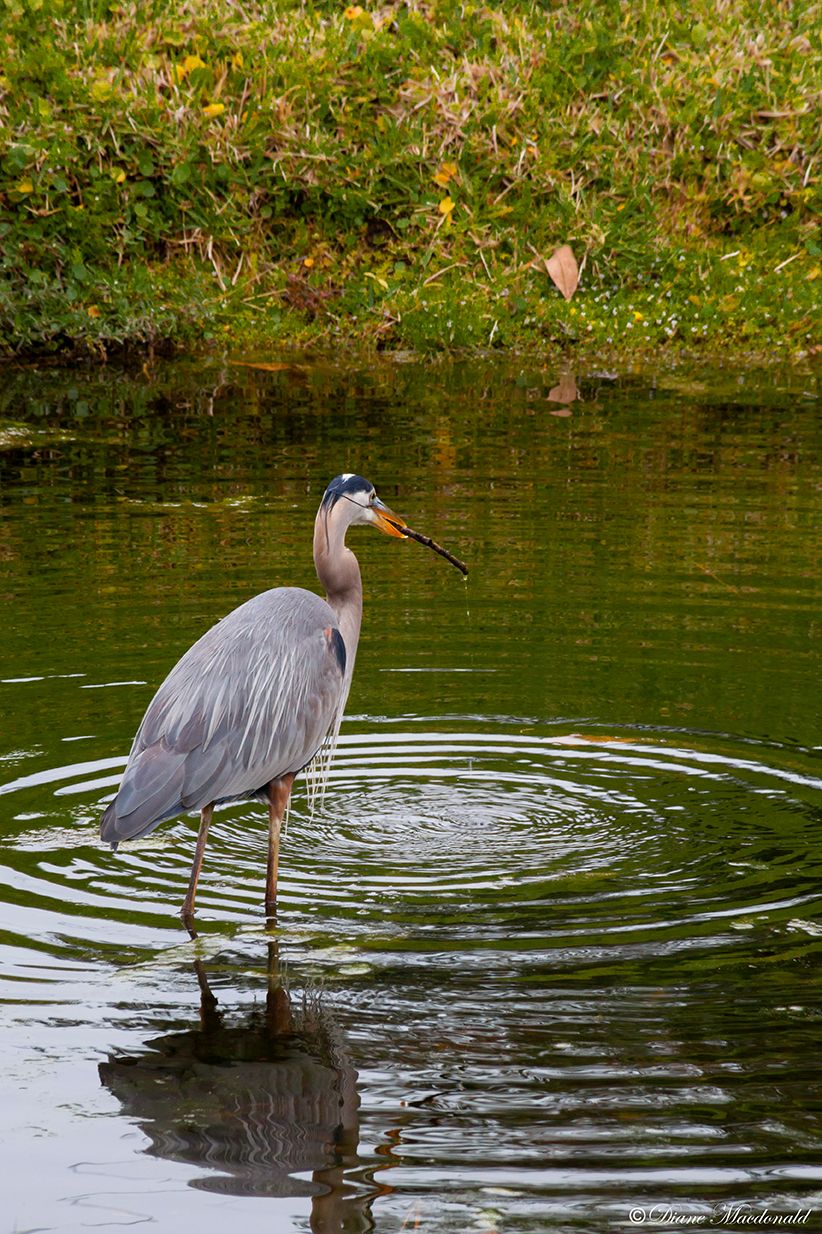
253, 699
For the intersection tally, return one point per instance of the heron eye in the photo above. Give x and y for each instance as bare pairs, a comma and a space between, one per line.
372, 497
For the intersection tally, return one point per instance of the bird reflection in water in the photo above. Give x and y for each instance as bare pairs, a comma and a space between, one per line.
260, 1100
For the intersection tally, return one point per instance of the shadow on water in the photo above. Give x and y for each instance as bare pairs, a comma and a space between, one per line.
257, 1100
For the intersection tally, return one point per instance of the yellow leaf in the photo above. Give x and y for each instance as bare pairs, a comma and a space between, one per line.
186, 66
445, 173
237, 60
24, 186
268, 368
446, 206
214, 109
353, 12
120, 177
563, 270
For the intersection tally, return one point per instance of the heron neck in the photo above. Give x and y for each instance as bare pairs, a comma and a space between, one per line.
339, 572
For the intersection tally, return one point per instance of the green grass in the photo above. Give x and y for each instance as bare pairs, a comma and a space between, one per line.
176, 172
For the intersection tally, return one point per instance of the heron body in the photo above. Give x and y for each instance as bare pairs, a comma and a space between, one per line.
254, 700
251, 701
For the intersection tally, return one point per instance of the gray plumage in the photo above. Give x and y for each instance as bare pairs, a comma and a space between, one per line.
251, 701
257, 697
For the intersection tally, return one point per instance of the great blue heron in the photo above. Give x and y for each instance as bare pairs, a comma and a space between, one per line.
258, 697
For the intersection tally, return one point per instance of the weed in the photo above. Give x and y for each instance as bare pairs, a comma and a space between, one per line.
181, 171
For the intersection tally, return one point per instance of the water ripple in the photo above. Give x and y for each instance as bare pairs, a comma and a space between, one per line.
597, 846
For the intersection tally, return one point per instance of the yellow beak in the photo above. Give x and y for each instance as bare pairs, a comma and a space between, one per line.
387, 520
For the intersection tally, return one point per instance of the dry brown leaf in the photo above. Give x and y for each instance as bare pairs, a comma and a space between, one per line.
563, 270
596, 738
267, 368
566, 391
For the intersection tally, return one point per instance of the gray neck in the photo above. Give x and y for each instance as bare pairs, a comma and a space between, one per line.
339, 573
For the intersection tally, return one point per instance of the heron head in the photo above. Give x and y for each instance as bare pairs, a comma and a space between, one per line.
354, 499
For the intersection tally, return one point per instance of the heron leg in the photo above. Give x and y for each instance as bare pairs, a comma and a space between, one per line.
278, 793
278, 1016
187, 911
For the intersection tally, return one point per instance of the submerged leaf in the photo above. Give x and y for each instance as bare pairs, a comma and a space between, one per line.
595, 738
267, 368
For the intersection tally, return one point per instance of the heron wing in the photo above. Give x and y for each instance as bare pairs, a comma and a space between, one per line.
250, 701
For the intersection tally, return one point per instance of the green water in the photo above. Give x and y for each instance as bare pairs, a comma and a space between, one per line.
552, 950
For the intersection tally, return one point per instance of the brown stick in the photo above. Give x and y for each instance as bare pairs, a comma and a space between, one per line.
429, 543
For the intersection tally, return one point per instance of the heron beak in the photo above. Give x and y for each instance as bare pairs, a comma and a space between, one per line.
387, 520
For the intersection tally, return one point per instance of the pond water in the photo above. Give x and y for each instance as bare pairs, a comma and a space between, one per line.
551, 951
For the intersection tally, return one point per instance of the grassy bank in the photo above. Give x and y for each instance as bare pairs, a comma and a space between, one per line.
180, 172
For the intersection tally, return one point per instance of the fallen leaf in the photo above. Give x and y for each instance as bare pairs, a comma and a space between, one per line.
214, 109
562, 412
563, 270
596, 738
267, 368
566, 391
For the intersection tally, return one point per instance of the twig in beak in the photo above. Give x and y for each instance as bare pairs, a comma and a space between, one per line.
429, 543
